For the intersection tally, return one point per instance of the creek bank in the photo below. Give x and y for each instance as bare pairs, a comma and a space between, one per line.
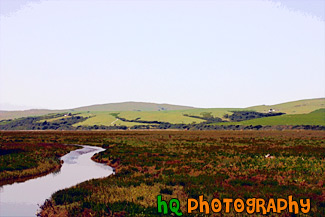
22, 199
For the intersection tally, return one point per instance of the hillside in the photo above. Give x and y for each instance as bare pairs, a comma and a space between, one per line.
123, 106
4, 115
133, 114
132, 106
313, 118
294, 107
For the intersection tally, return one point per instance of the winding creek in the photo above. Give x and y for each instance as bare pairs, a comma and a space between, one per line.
23, 199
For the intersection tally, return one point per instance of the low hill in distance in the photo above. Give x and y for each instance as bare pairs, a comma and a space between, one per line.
294, 107
130, 114
316, 117
4, 115
122, 106
187, 116
132, 106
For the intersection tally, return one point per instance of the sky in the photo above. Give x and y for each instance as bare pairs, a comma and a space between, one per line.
61, 54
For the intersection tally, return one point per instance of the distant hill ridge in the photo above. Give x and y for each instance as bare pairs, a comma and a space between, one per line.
120, 106
132, 106
294, 107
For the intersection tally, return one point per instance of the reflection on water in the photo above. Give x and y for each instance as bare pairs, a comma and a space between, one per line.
22, 199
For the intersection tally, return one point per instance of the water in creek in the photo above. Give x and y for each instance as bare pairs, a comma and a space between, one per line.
23, 199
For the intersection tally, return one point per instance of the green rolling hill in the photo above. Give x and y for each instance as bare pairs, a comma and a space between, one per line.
132, 106
313, 118
27, 113
294, 107
123, 106
302, 112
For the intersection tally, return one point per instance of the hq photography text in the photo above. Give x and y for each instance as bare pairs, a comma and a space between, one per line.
250, 205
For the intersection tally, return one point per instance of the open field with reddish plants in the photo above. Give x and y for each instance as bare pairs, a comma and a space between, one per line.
187, 164
21, 159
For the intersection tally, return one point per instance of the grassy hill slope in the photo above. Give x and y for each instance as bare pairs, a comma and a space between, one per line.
124, 106
294, 107
132, 106
27, 113
174, 117
103, 118
314, 118
297, 113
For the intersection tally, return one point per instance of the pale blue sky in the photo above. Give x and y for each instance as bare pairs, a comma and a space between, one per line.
62, 54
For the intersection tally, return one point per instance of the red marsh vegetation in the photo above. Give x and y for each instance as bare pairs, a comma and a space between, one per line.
187, 164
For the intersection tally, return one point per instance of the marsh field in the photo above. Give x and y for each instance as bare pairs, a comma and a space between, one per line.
174, 164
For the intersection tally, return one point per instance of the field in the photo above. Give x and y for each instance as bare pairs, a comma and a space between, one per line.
22, 159
174, 114
187, 164
295, 107
303, 114
175, 117
314, 118
102, 118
